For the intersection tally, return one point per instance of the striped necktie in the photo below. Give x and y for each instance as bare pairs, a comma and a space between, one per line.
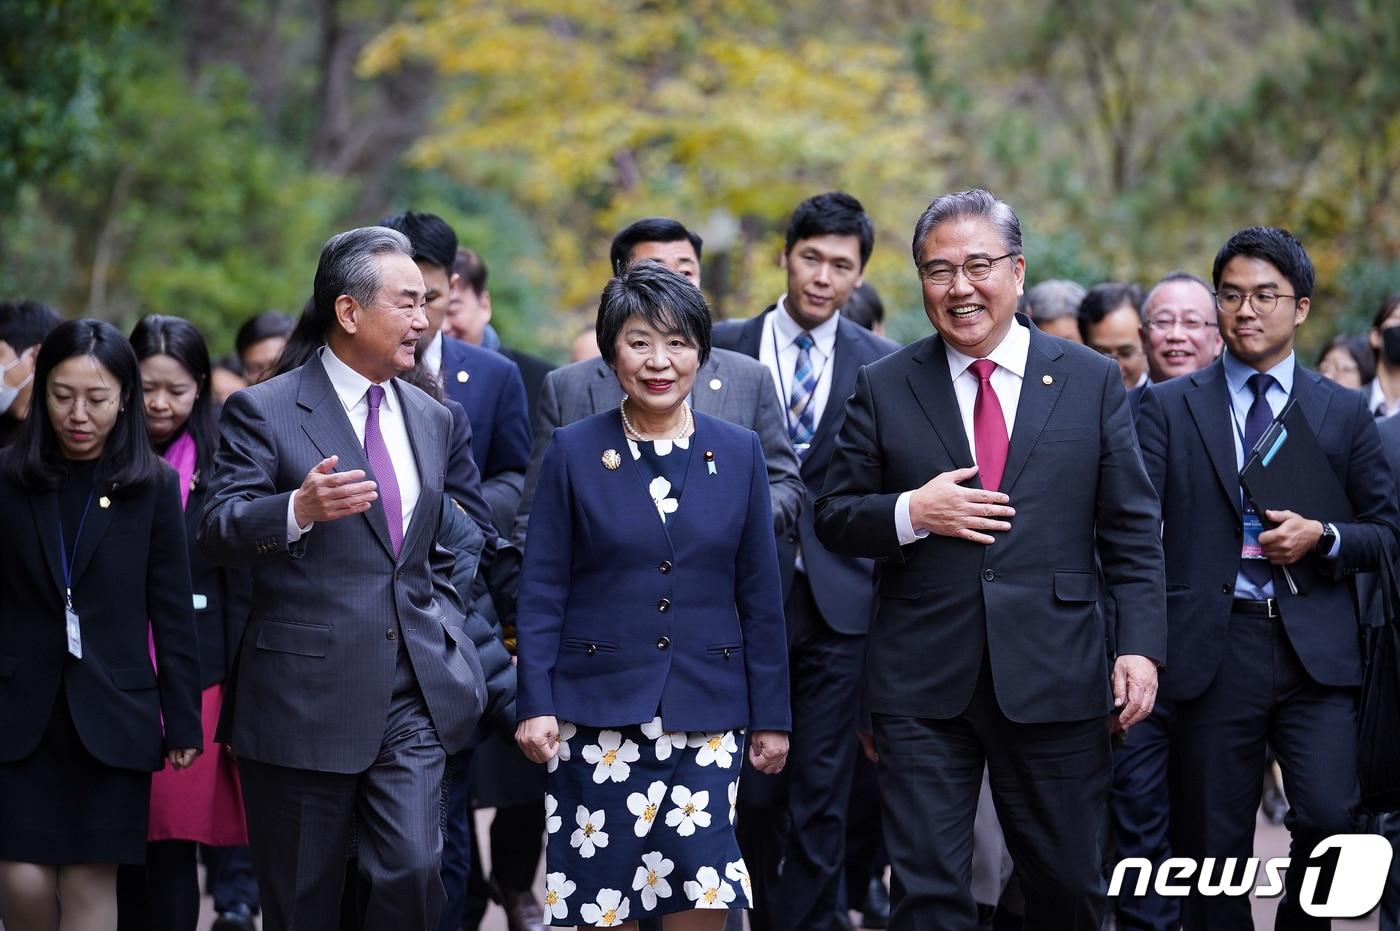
802, 424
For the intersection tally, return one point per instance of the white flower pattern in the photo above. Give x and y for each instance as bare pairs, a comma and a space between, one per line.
738, 872
557, 888
707, 890
552, 822
650, 879
716, 748
660, 491
733, 800
689, 812
567, 731
590, 836
646, 806
611, 756
666, 741
610, 910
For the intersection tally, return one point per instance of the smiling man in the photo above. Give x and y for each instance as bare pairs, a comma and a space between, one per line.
1264, 665
992, 468
813, 356
355, 679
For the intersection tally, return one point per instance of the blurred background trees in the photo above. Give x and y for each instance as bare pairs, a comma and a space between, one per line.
191, 156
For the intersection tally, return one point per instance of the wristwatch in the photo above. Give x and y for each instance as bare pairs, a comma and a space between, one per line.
1326, 541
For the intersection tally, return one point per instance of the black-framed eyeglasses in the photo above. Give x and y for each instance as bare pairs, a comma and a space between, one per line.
975, 269
1229, 301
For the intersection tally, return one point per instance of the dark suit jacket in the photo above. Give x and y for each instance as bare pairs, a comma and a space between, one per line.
729, 385
316, 671
1031, 598
225, 593
843, 586
131, 567
623, 618
533, 369
489, 388
1186, 432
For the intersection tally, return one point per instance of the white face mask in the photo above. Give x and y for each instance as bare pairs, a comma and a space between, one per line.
8, 392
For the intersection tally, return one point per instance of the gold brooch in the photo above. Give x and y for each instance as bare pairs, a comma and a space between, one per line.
104, 502
611, 460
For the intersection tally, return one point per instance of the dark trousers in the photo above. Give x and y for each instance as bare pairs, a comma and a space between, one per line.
808, 830
1139, 807
299, 825
458, 843
1050, 786
163, 895
865, 844
1261, 696
230, 878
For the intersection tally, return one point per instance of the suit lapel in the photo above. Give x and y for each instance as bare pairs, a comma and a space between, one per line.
46, 521
639, 478
1209, 403
933, 390
707, 396
604, 393
429, 460
750, 340
1313, 402
94, 528
844, 366
329, 429
1036, 403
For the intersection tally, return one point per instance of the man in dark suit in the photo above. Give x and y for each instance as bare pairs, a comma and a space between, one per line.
988, 641
1388, 824
354, 679
1266, 664
813, 356
485, 383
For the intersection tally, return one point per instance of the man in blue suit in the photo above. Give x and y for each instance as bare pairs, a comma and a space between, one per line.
813, 356
485, 383
1266, 664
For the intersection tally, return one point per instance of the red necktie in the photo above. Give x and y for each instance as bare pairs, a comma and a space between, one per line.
988, 427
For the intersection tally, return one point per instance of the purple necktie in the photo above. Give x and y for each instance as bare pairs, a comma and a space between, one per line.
988, 427
381, 469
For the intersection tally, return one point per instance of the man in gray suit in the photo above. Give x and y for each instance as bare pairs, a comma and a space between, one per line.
354, 679
730, 385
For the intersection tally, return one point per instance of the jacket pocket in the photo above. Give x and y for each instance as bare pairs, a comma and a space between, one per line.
294, 637
724, 649
589, 646
1076, 586
134, 678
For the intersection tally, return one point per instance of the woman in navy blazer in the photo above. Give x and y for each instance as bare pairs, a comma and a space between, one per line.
651, 632
85, 718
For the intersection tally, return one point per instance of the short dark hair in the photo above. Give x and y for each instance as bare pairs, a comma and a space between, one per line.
649, 229
976, 203
1358, 347
1103, 299
472, 269
269, 324
179, 339
659, 296
128, 462
1053, 299
1388, 305
434, 242
229, 363
864, 307
1274, 245
1173, 278
834, 213
26, 323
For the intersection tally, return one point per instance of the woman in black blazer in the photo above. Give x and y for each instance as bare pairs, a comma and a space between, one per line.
93, 569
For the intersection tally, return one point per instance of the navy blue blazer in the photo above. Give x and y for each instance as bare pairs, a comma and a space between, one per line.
490, 389
622, 618
843, 586
1187, 445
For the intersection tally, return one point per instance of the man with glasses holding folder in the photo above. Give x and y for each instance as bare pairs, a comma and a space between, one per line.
1267, 664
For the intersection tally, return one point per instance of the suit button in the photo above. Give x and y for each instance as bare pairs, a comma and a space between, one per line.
591, 649
726, 652
665, 566
398, 574
989, 576
663, 643
792, 538
663, 605
1226, 589
391, 634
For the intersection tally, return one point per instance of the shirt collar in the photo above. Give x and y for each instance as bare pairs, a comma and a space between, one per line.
350, 386
1377, 402
432, 356
788, 329
1237, 373
1010, 353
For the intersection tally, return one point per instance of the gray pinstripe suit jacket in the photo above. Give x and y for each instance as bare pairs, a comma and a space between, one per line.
730, 386
315, 671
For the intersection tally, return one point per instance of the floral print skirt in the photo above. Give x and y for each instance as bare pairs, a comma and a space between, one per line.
641, 823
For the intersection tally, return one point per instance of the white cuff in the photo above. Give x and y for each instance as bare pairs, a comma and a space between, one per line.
903, 525
294, 532
1336, 542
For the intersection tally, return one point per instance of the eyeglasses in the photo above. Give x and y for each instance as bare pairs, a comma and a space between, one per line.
1165, 323
1230, 301
1338, 368
941, 273
65, 405
1121, 353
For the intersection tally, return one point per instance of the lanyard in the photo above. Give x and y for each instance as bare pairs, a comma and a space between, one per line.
63, 548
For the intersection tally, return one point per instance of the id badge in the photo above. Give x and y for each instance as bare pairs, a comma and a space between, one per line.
75, 634
1253, 526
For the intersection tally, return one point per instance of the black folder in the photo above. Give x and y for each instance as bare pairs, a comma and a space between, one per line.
1288, 471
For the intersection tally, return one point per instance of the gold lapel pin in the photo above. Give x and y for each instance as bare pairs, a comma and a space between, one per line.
716, 384
611, 460
1048, 380
462, 377
104, 502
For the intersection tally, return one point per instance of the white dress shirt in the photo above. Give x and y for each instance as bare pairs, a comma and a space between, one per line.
1010, 357
352, 389
432, 356
778, 350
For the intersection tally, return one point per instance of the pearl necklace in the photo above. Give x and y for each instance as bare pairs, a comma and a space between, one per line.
635, 434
